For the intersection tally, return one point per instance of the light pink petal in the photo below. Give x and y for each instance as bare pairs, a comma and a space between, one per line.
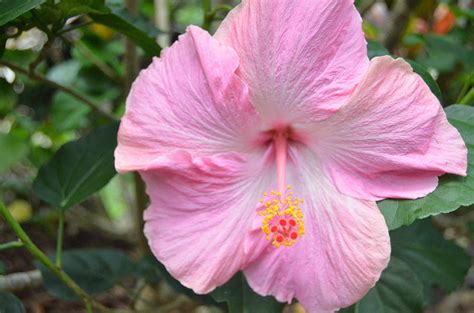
201, 211
301, 59
341, 255
191, 100
392, 139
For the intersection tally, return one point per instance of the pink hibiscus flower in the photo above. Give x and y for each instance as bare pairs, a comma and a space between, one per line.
283, 94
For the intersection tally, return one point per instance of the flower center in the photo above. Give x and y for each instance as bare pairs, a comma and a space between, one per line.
283, 221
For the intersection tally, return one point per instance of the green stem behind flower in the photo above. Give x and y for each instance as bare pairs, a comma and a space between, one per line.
40, 256
468, 98
11, 245
60, 238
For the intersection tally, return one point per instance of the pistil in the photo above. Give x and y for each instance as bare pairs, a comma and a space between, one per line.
281, 150
283, 221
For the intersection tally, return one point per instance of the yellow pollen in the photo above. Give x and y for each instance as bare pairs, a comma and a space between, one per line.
283, 221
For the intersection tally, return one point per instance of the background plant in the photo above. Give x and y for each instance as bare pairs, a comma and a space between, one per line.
71, 238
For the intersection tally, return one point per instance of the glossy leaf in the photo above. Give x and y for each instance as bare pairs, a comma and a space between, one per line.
434, 259
375, 49
240, 298
453, 191
10, 9
93, 270
78, 169
398, 290
10, 304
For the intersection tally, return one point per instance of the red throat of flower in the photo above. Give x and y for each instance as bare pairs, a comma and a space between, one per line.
283, 221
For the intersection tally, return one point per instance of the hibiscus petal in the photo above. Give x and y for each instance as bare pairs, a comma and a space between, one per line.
392, 139
339, 258
201, 210
191, 100
301, 59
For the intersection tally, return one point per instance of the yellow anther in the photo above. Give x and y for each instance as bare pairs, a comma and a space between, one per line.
282, 221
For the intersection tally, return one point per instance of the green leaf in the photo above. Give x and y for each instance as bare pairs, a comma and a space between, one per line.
398, 290
240, 298
375, 49
453, 191
445, 52
10, 9
120, 21
8, 99
12, 149
68, 113
463, 12
149, 269
189, 14
78, 7
65, 73
434, 259
93, 270
78, 169
10, 304
3, 43
114, 197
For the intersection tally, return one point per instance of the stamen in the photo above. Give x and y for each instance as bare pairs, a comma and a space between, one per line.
283, 221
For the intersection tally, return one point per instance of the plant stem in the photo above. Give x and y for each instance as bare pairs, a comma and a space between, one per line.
141, 204
60, 238
94, 107
40, 256
41, 56
131, 62
468, 98
89, 308
73, 27
11, 245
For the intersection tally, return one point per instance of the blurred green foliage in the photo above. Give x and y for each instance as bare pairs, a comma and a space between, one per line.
53, 136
